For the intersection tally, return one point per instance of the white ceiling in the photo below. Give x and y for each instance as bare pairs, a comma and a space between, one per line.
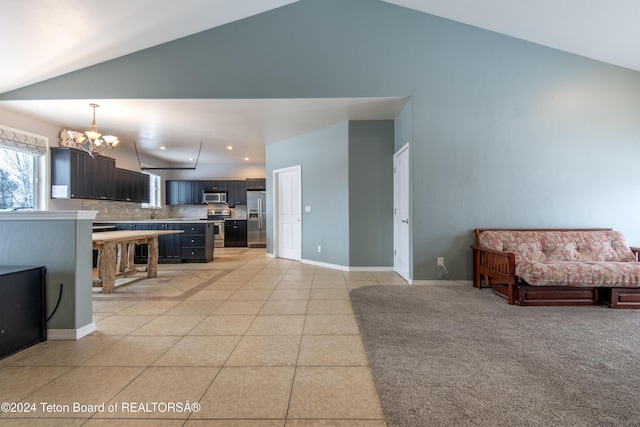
45, 38
181, 124
605, 30
48, 38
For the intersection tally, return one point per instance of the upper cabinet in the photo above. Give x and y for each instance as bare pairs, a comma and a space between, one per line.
131, 186
213, 186
77, 175
237, 193
190, 192
104, 183
256, 184
184, 192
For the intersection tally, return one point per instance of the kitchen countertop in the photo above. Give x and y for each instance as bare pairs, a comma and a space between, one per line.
146, 221
166, 220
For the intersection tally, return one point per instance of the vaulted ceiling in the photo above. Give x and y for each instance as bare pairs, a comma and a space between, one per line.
43, 39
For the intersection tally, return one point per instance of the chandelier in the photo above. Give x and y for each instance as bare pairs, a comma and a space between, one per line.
91, 140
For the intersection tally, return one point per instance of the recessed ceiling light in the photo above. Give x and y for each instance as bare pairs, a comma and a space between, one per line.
229, 147
246, 158
163, 148
191, 159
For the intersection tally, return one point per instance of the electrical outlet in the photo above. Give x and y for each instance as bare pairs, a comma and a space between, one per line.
440, 261
319, 248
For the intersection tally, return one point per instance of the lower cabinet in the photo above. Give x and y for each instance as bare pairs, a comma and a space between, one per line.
194, 245
169, 245
235, 233
141, 251
197, 242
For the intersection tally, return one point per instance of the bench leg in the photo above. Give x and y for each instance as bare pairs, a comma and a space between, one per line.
512, 293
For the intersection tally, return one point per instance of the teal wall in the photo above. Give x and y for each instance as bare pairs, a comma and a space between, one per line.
323, 156
371, 193
403, 134
347, 179
64, 247
403, 126
504, 133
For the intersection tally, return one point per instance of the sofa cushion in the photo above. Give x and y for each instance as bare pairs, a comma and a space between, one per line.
550, 246
579, 273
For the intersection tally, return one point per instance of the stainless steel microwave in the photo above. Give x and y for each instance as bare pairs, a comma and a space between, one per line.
217, 197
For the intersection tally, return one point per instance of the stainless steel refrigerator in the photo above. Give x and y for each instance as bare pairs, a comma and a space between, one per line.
256, 218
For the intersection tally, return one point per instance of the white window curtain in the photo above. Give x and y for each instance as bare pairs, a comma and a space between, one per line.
15, 139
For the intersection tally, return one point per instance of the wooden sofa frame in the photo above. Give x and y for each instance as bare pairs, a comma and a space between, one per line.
496, 269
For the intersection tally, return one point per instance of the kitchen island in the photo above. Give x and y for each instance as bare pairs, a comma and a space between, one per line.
195, 244
116, 253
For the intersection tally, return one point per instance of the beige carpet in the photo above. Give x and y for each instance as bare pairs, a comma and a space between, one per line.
453, 355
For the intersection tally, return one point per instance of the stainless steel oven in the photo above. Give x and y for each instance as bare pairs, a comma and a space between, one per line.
218, 216
218, 234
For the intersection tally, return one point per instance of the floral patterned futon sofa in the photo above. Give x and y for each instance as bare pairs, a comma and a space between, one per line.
558, 266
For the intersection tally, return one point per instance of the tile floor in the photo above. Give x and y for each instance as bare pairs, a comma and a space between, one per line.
254, 341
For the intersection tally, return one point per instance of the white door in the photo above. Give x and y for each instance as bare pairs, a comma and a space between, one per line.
401, 218
288, 211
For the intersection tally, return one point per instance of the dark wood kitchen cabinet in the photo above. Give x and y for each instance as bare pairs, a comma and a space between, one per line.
172, 193
194, 191
170, 245
213, 186
99, 174
256, 183
184, 192
68, 173
197, 242
77, 175
236, 193
104, 184
141, 252
131, 186
235, 233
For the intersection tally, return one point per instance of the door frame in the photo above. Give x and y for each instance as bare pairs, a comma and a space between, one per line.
276, 204
407, 194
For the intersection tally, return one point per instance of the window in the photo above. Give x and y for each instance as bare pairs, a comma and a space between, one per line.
154, 192
22, 169
17, 180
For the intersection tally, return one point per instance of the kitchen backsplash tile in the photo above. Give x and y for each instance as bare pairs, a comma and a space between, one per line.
127, 211
121, 211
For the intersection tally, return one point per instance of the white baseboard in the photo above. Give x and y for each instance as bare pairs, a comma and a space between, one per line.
344, 267
374, 269
70, 334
